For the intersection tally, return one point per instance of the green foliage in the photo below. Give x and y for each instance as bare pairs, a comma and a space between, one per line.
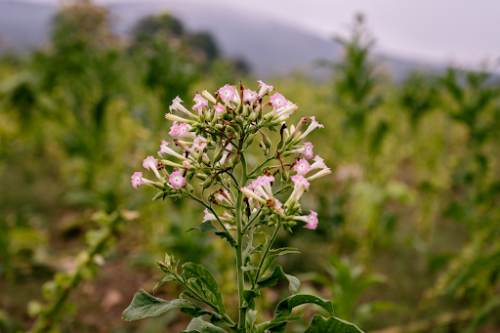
331, 325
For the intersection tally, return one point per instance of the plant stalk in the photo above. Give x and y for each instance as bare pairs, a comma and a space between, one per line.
239, 247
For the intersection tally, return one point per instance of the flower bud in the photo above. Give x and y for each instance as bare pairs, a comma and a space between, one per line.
158, 196
207, 183
236, 159
201, 176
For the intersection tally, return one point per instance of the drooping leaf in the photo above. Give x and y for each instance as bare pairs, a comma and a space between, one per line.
208, 226
331, 325
285, 307
271, 326
271, 258
144, 305
272, 279
207, 279
198, 325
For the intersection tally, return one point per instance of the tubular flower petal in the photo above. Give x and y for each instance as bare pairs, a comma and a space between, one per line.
150, 163
211, 217
307, 150
301, 184
278, 100
176, 105
320, 174
173, 117
264, 88
208, 96
318, 163
302, 167
176, 179
227, 93
201, 103
165, 150
250, 194
200, 143
311, 220
137, 180
312, 127
249, 96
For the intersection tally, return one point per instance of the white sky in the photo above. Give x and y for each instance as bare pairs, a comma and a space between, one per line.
460, 31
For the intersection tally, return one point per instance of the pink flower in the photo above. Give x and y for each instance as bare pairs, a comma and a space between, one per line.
186, 164
176, 179
322, 173
176, 105
181, 130
208, 216
311, 220
285, 112
150, 163
302, 167
314, 124
264, 88
278, 100
300, 181
227, 93
307, 150
219, 108
200, 143
262, 186
200, 103
318, 163
165, 150
249, 95
137, 179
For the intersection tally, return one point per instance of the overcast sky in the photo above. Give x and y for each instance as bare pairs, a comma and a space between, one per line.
460, 31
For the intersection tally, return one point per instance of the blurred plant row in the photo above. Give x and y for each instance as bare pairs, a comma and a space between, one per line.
410, 221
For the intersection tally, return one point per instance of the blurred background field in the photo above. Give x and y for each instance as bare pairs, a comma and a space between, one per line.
408, 238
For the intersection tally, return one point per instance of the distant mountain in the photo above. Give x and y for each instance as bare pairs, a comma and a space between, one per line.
270, 47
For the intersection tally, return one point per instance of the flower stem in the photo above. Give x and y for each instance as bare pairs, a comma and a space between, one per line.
264, 256
239, 247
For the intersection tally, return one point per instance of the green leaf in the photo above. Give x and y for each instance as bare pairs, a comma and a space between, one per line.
250, 320
272, 257
271, 326
168, 278
331, 325
285, 307
198, 325
208, 226
272, 279
207, 279
144, 305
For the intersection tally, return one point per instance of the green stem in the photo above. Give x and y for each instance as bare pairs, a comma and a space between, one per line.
239, 247
213, 212
257, 168
264, 256
252, 221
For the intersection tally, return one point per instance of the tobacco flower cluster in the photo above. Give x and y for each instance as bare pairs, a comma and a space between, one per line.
210, 141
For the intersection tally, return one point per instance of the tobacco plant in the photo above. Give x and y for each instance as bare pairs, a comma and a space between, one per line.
207, 163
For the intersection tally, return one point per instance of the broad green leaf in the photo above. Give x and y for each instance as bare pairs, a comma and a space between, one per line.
208, 226
198, 325
285, 307
272, 279
207, 279
331, 325
250, 320
270, 326
144, 305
